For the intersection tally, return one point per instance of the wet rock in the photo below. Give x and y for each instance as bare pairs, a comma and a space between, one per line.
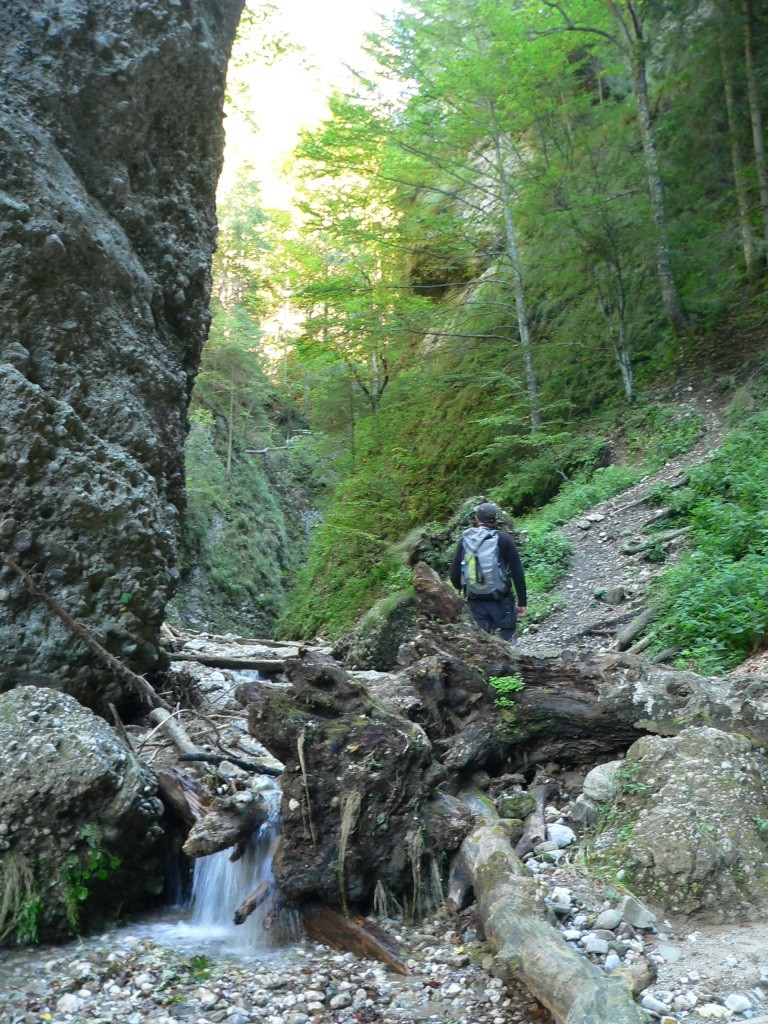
82, 822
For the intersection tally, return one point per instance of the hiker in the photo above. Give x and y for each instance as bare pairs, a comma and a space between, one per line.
484, 562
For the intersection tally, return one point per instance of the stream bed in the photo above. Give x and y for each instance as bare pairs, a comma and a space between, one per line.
166, 969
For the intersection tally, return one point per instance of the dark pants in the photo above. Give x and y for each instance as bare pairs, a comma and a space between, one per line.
499, 614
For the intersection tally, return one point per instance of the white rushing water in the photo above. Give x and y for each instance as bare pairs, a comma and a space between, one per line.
219, 887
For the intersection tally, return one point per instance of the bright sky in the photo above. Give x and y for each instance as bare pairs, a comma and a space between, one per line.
273, 103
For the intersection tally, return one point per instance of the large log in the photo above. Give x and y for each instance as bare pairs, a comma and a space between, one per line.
186, 796
230, 820
529, 949
575, 708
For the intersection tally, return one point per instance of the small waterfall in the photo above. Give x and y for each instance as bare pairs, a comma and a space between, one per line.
219, 887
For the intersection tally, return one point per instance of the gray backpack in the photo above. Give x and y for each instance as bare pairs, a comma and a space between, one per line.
482, 574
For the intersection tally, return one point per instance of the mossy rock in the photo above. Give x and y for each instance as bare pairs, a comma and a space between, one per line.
515, 805
379, 634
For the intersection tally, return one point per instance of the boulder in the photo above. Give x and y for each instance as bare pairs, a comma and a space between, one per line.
110, 150
601, 783
690, 826
79, 820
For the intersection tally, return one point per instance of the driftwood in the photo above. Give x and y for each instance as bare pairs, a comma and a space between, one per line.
260, 895
641, 645
536, 831
529, 949
138, 684
351, 935
665, 655
267, 665
657, 517
164, 720
230, 820
635, 629
248, 766
187, 797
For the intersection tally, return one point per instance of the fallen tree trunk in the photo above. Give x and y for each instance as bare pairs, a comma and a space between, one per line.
247, 766
267, 665
530, 950
634, 547
574, 708
351, 935
164, 720
635, 629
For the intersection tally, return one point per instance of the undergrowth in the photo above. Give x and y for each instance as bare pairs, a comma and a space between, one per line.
714, 603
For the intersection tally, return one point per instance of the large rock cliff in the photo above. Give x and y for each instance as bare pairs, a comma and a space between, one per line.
110, 149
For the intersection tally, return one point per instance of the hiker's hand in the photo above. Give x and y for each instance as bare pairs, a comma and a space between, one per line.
521, 610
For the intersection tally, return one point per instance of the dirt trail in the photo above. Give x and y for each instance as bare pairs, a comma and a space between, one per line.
598, 565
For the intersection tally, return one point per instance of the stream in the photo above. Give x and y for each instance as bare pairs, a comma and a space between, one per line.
193, 964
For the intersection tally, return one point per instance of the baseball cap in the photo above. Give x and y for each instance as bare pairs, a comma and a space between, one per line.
487, 512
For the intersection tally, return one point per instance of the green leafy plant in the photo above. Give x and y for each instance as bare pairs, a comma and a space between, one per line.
82, 871
503, 687
713, 605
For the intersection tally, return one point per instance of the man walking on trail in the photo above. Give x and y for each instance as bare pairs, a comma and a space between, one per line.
483, 565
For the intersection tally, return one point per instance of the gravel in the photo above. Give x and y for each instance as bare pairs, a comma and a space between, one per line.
139, 976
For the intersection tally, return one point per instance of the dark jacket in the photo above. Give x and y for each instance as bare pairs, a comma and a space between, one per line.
510, 561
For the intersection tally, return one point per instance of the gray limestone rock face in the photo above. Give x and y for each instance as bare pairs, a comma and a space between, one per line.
80, 833
110, 150
691, 824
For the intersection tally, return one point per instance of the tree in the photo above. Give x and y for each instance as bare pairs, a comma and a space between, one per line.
756, 116
629, 38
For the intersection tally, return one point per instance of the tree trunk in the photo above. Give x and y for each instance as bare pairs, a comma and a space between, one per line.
672, 304
737, 161
756, 116
528, 949
513, 254
269, 666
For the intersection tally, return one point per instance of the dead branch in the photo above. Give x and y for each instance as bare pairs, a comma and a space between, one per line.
248, 766
254, 901
272, 665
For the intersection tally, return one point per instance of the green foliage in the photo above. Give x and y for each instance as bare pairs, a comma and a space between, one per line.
468, 301
714, 603
503, 686
84, 871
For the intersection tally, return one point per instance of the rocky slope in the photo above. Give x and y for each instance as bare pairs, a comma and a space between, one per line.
606, 587
110, 120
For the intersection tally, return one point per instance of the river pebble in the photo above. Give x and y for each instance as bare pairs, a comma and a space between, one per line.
131, 979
